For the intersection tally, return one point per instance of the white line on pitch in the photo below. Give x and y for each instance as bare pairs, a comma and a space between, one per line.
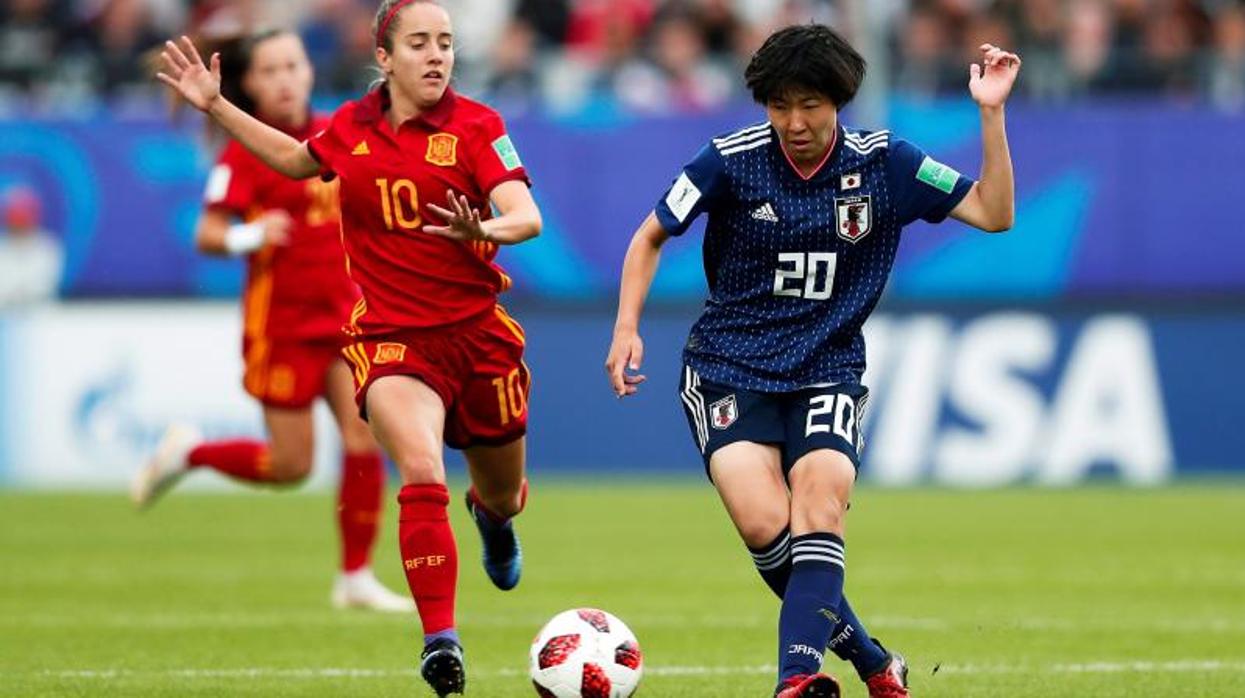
1103, 667
1141, 667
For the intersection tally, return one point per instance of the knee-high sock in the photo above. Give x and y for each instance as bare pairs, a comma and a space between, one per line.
359, 504
429, 554
811, 603
241, 459
849, 640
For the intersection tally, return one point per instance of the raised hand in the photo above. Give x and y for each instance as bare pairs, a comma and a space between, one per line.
184, 72
991, 82
461, 221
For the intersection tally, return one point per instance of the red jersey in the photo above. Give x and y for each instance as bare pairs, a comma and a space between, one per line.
300, 290
411, 279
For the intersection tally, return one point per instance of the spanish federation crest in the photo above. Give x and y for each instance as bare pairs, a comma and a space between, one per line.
724, 412
443, 149
854, 217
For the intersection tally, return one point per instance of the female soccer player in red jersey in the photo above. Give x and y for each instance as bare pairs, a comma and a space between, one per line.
436, 359
297, 297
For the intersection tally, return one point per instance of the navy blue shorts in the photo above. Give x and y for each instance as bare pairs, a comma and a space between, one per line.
797, 423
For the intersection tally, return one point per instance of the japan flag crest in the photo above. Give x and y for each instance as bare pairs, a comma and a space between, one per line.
854, 217
724, 412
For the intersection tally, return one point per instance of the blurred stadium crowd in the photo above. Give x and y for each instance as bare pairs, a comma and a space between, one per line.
653, 56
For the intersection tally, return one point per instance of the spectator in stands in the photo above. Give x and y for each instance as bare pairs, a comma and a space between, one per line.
1226, 75
923, 68
30, 33
677, 75
30, 257
514, 80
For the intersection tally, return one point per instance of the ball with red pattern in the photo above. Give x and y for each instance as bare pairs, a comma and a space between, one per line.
586, 653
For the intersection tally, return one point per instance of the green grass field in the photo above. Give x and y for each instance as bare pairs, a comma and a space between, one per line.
1086, 593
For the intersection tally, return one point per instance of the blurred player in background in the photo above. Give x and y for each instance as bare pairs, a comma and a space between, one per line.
31, 258
804, 220
436, 359
298, 295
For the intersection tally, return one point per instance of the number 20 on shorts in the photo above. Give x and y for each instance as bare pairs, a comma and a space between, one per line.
399, 202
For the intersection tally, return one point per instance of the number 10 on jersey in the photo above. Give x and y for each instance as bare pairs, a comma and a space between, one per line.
805, 275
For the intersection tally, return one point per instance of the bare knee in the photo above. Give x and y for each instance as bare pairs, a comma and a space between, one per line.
421, 469
760, 529
817, 512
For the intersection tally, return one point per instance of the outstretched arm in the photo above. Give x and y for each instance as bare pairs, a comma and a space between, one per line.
200, 86
639, 268
991, 204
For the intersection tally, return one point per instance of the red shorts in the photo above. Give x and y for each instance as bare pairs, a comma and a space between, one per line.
477, 368
287, 373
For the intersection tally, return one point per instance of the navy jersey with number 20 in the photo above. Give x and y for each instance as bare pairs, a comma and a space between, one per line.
796, 265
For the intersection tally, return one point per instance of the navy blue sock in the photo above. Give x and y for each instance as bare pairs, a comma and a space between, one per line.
811, 604
849, 640
852, 643
774, 562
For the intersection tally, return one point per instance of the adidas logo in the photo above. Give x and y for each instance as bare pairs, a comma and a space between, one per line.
361, 149
765, 213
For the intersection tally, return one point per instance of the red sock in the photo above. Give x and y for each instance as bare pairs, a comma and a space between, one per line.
429, 554
359, 507
243, 459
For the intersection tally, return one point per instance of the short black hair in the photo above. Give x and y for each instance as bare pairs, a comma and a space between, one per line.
805, 56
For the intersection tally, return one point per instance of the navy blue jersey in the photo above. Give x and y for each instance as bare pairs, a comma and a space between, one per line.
796, 265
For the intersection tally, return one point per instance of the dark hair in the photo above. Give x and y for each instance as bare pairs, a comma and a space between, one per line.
806, 56
236, 55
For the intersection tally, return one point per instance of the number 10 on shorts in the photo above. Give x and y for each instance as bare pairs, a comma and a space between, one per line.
511, 397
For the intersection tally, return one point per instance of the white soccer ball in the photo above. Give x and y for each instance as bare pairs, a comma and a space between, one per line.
586, 653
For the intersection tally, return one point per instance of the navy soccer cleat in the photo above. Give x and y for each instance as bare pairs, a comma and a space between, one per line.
441, 665
503, 557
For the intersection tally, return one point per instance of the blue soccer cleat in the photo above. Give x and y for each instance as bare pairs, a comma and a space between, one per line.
503, 558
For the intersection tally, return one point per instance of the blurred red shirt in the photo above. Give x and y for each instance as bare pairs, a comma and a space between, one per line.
300, 290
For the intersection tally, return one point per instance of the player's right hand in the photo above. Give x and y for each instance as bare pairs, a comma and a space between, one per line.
277, 224
186, 74
626, 354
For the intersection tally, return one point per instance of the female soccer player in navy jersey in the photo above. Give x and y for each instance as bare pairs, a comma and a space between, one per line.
297, 297
436, 360
804, 216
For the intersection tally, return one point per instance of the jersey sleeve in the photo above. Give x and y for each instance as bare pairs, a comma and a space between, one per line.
698, 186
328, 146
233, 181
494, 158
924, 187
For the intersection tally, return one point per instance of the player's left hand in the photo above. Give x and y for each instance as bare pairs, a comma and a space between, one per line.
462, 222
623, 363
991, 82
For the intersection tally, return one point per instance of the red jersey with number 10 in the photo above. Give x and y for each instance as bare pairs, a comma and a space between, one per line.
411, 279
